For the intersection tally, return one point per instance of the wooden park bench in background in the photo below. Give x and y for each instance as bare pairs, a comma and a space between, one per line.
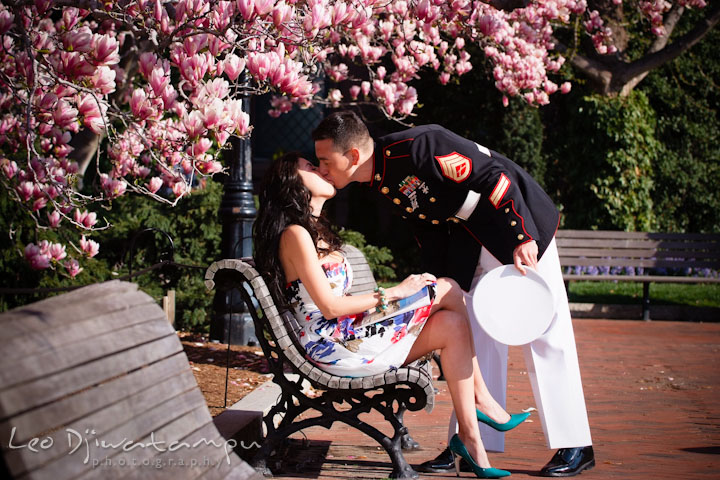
95, 384
340, 399
676, 254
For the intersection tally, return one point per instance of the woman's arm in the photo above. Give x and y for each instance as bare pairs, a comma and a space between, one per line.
299, 258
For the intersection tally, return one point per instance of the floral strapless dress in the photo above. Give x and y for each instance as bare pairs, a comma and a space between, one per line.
338, 345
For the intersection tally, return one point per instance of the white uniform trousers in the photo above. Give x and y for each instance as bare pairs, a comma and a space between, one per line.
552, 365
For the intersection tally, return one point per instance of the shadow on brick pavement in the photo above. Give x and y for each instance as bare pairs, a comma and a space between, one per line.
653, 396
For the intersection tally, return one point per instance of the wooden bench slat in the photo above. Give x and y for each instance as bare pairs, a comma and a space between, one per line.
641, 278
570, 233
61, 312
608, 244
47, 389
137, 426
67, 410
634, 262
201, 450
568, 253
104, 422
180, 427
53, 337
72, 354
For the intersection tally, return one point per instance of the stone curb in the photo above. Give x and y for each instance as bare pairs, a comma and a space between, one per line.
243, 421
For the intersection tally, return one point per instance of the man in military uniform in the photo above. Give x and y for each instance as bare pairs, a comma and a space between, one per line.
473, 209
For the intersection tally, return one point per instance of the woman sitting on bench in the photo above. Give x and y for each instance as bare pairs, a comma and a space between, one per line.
300, 258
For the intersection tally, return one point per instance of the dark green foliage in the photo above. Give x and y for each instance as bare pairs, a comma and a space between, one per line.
520, 137
377, 257
16, 230
685, 95
195, 229
193, 225
604, 155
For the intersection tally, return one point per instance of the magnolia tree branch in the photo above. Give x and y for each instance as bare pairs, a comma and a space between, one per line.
662, 52
613, 76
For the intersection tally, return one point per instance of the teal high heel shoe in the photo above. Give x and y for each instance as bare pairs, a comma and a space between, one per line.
515, 420
458, 450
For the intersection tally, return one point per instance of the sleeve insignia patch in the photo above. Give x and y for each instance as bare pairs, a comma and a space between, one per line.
499, 191
454, 166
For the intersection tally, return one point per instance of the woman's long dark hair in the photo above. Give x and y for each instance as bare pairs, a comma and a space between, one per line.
285, 201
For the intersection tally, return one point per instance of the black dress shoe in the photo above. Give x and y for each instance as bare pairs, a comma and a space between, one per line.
442, 463
569, 461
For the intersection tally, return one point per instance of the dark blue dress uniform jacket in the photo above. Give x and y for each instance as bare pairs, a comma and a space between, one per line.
427, 172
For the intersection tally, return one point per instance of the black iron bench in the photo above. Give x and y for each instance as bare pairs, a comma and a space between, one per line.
342, 399
664, 257
95, 384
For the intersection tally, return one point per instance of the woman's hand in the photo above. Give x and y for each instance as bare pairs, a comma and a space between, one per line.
409, 286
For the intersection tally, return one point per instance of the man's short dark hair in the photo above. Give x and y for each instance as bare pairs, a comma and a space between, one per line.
345, 129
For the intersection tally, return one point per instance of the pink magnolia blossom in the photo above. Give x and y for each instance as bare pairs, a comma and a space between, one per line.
78, 41
89, 247
65, 116
247, 9
179, 188
158, 80
57, 251
209, 167
234, 66
354, 91
85, 219
37, 259
112, 187
104, 80
70, 17
282, 13
39, 204
6, 21
194, 124
54, 219
199, 148
154, 184
73, 65
147, 63
106, 50
25, 190
140, 104
72, 267
92, 112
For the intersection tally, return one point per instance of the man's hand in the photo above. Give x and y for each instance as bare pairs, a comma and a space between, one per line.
527, 254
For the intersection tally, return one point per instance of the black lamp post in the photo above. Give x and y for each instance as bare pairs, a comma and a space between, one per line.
231, 322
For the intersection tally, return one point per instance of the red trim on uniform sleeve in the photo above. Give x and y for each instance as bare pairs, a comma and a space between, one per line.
522, 222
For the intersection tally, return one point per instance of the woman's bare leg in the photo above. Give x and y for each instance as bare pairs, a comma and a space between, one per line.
450, 297
450, 333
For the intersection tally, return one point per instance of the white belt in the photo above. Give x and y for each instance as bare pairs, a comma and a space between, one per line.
468, 206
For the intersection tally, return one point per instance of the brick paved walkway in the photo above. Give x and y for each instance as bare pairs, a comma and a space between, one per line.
653, 397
